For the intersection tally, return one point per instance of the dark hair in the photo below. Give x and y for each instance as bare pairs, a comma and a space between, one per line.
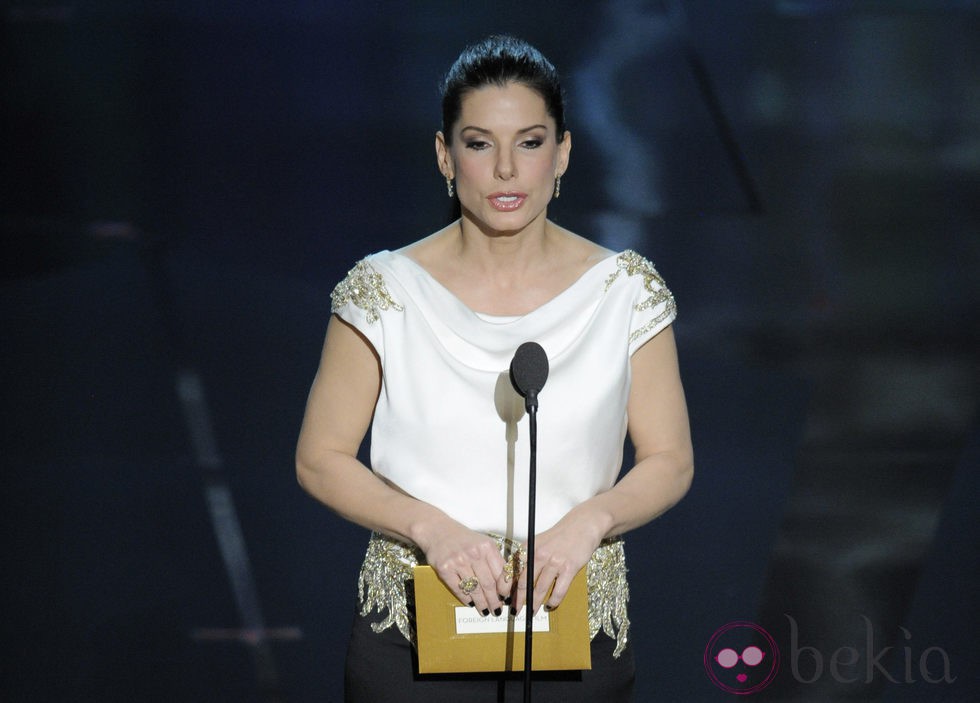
499, 60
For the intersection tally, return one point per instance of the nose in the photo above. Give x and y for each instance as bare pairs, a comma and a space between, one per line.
505, 169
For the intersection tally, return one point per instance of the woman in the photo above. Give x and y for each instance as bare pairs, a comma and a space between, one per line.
418, 349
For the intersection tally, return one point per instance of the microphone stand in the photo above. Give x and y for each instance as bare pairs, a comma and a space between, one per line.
528, 373
531, 405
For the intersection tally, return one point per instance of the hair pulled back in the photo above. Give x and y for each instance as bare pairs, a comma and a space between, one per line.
499, 60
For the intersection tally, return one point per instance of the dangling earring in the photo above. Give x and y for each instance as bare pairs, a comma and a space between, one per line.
449, 186
557, 186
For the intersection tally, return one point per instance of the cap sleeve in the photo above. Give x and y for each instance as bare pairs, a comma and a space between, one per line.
653, 305
360, 299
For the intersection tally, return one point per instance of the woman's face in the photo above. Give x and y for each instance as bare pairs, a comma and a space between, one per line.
505, 156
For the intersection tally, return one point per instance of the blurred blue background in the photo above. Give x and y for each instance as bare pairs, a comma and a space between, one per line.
184, 183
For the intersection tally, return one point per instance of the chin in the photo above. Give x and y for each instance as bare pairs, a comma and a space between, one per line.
504, 223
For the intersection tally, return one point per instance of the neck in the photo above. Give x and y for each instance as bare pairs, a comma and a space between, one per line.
513, 251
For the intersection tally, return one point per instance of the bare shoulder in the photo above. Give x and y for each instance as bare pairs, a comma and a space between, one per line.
429, 251
577, 251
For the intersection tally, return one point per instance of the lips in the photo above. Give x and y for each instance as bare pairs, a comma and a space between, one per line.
506, 202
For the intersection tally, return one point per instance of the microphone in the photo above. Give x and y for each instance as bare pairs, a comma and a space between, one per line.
528, 372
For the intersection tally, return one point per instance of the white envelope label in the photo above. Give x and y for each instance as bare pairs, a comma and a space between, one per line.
470, 622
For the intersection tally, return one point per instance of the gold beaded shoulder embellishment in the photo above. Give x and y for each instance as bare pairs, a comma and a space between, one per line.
365, 288
635, 265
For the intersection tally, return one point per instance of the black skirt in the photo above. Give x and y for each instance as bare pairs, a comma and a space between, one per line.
381, 668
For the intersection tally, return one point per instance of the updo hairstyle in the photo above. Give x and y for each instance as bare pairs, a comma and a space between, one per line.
497, 61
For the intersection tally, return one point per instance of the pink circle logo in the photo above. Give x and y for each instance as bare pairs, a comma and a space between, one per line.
741, 658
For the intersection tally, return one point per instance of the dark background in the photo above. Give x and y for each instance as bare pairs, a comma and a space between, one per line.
184, 183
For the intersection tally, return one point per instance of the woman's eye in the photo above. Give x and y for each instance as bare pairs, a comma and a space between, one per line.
477, 145
531, 143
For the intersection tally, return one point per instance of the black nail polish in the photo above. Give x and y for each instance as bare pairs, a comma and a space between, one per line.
507, 600
486, 611
548, 608
513, 612
497, 612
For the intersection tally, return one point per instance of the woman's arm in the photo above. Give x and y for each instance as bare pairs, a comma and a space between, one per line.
661, 435
338, 414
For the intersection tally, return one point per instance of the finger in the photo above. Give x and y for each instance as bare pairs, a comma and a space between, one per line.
542, 584
558, 593
488, 587
519, 592
509, 577
505, 589
485, 562
496, 583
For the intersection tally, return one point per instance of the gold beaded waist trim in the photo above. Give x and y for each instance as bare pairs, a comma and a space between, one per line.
388, 565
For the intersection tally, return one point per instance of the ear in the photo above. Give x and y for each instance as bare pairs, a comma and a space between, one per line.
564, 149
444, 159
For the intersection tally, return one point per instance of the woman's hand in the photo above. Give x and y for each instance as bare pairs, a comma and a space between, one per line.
559, 554
468, 562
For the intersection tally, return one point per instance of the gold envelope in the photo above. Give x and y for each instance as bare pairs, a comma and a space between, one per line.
451, 637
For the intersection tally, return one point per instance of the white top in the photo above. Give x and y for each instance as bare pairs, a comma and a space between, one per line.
449, 428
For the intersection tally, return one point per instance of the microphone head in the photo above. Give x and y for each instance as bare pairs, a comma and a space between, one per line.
529, 369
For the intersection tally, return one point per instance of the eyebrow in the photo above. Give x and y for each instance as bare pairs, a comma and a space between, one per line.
487, 131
